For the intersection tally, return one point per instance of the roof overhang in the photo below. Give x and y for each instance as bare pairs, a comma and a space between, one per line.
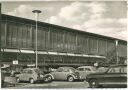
50, 53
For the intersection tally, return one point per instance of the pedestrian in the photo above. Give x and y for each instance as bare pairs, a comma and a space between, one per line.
12, 73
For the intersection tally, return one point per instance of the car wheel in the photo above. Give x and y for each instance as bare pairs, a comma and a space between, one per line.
31, 80
70, 79
17, 80
93, 83
49, 78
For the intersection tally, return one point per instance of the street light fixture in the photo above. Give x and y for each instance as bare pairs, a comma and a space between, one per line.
36, 14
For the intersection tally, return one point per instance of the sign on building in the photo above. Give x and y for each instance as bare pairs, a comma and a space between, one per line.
96, 64
15, 62
31, 65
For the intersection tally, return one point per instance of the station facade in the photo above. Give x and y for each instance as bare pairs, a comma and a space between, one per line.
57, 45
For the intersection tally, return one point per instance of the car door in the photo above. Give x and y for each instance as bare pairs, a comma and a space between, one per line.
112, 77
82, 72
26, 75
22, 76
29, 74
58, 74
65, 72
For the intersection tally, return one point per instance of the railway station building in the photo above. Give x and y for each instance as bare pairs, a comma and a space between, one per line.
57, 45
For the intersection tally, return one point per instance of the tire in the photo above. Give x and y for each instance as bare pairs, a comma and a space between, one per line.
94, 83
48, 79
70, 79
17, 80
31, 80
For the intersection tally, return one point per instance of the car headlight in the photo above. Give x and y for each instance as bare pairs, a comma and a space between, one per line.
41, 76
75, 75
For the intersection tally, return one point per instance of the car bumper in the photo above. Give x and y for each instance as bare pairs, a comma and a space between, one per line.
41, 79
11, 80
77, 78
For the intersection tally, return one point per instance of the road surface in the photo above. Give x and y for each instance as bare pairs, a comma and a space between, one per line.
54, 84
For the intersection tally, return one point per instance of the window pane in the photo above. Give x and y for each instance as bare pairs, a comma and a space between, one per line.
81, 69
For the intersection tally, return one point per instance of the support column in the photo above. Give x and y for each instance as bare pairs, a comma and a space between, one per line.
117, 58
0, 34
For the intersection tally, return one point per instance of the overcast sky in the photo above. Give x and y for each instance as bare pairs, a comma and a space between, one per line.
105, 18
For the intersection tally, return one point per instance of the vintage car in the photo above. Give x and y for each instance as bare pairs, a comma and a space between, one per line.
32, 75
85, 70
115, 76
65, 73
6, 78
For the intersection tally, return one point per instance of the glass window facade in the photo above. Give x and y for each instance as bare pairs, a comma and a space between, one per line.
21, 35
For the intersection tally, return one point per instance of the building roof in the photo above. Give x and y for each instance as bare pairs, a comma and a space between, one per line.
29, 21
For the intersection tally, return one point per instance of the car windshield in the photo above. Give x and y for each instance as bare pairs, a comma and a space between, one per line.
80, 69
72, 69
102, 69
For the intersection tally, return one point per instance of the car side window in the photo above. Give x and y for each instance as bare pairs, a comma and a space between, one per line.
65, 70
114, 70
24, 71
59, 69
81, 69
111, 70
29, 72
123, 70
117, 70
87, 69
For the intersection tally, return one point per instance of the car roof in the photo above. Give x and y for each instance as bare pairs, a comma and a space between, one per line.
66, 67
30, 68
120, 65
86, 67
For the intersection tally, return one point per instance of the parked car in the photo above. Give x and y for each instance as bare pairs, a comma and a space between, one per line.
65, 73
6, 78
115, 76
85, 70
32, 75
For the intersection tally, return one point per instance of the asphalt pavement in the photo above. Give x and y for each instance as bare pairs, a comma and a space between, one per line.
54, 84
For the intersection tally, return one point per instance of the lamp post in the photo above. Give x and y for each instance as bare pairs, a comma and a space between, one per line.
117, 58
36, 12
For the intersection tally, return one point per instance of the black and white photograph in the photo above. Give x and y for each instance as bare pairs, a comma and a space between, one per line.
66, 44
